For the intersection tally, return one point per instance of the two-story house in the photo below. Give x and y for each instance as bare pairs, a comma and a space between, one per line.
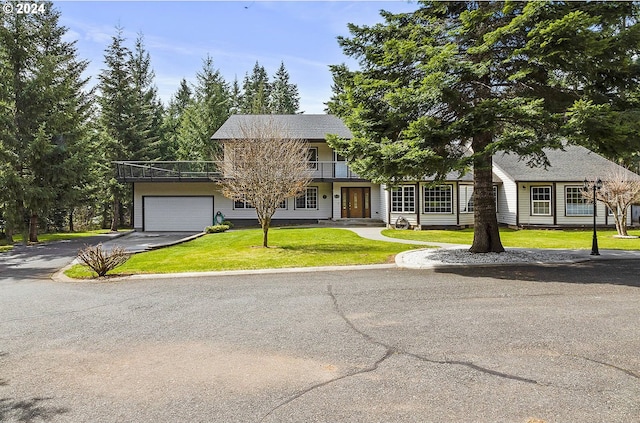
184, 196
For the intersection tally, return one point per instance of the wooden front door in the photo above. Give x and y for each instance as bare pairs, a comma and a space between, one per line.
356, 202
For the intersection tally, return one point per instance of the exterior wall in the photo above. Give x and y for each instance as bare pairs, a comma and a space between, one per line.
225, 205
507, 198
526, 217
439, 219
558, 211
374, 204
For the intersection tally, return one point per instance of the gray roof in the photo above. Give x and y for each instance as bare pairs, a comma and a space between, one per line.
309, 127
574, 163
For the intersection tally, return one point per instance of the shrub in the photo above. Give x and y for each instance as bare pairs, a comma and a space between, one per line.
228, 223
101, 261
216, 229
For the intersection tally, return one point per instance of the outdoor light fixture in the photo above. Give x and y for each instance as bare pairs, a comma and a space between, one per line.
596, 186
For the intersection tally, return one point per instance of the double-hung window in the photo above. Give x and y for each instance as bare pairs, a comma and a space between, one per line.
576, 203
308, 199
438, 199
403, 199
541, 201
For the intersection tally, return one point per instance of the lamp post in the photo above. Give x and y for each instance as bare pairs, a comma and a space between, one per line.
596, 186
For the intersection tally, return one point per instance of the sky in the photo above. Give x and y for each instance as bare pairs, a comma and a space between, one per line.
179, 34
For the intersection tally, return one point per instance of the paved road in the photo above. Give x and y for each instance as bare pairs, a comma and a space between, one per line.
507, 344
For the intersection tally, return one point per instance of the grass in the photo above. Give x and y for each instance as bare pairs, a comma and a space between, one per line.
528, 238
242, 250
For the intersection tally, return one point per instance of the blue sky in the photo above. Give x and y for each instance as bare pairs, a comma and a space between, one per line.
236, 34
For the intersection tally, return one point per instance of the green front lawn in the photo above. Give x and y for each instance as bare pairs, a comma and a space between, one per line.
242, 250
527, 238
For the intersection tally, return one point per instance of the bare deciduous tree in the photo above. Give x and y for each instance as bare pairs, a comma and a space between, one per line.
264, 166
620, 189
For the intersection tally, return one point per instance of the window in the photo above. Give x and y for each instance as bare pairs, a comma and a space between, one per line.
466, 199
495, 196
541, 201
403, 199
576, 204
242, 204
308, 199
438, 199
313, 158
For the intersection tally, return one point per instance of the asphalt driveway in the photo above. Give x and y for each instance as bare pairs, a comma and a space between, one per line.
507, 344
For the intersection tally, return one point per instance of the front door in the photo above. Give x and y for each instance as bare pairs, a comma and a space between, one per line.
356, 202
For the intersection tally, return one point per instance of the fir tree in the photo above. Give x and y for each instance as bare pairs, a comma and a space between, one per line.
283, 98
203, 117
446, 87
45, 143
255, 92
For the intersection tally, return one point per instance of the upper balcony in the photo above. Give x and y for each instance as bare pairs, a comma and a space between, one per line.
199, 171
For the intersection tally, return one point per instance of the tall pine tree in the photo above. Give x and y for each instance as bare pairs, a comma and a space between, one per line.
256, 90
45, 141
283, 98
202, 118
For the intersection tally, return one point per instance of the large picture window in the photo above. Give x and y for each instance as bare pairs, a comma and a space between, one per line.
308, 199
576, 203
438, 199
466, 199
403, 199
541, 201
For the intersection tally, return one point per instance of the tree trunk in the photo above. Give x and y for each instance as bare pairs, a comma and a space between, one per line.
71, 220
115, 214
265, 232
486, 236
33, 228
621, 222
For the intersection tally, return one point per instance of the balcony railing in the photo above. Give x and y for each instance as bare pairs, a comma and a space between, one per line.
137, 171
127, 171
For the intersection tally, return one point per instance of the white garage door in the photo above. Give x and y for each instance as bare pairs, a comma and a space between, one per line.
177, 214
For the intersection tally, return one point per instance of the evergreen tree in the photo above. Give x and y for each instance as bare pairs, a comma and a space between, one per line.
256, 91
118, 100
172, 120
446, 87
148, 109
235, 99
203, 117
44, 144
283, 98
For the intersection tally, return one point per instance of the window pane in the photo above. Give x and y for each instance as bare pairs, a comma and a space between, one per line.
437, 199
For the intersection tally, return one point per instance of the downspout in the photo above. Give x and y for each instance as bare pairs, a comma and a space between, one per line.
517, 204
417, 205
554, 202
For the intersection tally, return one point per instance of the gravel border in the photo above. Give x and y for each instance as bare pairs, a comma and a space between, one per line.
461, 256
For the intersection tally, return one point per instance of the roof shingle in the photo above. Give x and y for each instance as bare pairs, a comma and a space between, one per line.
309, 127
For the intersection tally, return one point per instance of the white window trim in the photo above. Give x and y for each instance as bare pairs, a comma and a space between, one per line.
550, 200
465, 198
566, 203
404, 209
424, 197
313, 164
306, 191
